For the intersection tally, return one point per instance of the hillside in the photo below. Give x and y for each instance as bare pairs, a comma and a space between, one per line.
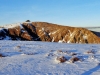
42, 31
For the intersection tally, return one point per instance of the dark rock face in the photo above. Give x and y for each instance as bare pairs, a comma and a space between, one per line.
2, 34
31, 30
42, 31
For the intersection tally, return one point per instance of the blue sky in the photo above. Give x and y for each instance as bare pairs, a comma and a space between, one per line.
80, 13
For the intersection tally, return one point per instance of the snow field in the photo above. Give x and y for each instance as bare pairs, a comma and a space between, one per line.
40, 58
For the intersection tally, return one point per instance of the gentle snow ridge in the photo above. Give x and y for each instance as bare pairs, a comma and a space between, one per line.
11, 25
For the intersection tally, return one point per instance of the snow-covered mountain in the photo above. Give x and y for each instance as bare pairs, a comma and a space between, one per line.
33, 57
42, 31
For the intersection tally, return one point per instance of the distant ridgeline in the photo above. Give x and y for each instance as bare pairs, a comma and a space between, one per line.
42, 31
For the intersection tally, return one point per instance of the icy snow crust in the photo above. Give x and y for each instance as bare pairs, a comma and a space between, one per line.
39, 58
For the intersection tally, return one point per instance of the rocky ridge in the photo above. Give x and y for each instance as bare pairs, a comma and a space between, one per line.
43, 31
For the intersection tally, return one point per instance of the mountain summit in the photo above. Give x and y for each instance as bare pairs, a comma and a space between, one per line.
43, 31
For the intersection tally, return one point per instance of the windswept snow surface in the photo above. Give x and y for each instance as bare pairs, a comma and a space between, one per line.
39, 58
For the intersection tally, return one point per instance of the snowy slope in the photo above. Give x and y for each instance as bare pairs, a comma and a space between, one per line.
40, 58
11, 25
94, 28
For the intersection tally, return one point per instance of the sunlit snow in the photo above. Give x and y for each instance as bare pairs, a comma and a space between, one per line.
39, 58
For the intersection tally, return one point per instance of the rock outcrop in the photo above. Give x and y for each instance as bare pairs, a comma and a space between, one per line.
42, 31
